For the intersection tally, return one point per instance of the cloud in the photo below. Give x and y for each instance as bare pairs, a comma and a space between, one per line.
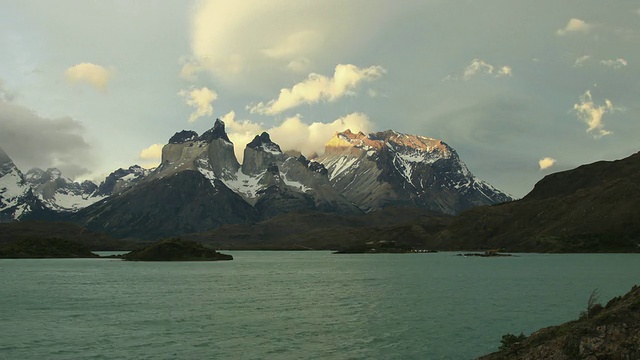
32, 140
299, 65
614, 64
575, 26
300, 42
318, 88
151, 156
546, 163
95, 75
505, 71
581, 60
293, 133
201, 99
254, 43
480, 67
6, 95
592, 115
153, 152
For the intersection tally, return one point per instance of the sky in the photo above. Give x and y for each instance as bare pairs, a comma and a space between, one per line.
518, 88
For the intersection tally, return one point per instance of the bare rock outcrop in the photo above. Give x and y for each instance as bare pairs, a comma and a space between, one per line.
612, 332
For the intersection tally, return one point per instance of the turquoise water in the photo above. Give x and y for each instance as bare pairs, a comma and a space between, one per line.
294, 305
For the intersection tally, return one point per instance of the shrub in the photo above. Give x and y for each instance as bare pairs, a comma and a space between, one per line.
593, 306
508, 340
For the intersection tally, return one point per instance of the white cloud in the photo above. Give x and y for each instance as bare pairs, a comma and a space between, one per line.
95, 75
505, 71
153, 152
476, 67
318, 88
546, 163
300, 42
201, 99
480, 67
254, 42
614, 64
581, 61
293, 133
575, 26
151, 156
592, 114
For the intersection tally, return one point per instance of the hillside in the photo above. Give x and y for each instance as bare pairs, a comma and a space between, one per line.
40, 248
593, 208
328, 231
44, 230
612, 332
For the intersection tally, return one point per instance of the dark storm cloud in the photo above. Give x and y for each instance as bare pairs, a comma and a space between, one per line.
34, 141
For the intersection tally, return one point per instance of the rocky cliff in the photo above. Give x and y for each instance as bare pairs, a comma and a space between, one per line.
612, 332
181, 203
59, 193
122, 179
17, 200
391, 168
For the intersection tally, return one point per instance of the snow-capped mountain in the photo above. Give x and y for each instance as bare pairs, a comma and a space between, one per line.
266, 173
390, 168
16, 197
200, 184
121, 180
59, 193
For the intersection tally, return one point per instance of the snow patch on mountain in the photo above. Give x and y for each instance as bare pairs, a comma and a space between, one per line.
340, 165
69, 201
245, 185
294, 184
12, 188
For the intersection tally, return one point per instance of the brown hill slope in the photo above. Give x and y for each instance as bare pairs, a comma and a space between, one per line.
318, 230
594, 208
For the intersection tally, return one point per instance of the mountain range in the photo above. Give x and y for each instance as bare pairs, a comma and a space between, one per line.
200, 185
282, 200
593, 208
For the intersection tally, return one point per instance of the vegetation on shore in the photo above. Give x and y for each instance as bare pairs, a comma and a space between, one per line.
38, 248
609, 332
175, 249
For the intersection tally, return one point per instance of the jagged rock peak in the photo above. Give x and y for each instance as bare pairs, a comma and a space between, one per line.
183, 136
34, 174
273, 168
312, 165
263, 142
377, 141
37, 176
4, 158
216, 132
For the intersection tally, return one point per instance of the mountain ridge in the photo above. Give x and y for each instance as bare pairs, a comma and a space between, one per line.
269, 182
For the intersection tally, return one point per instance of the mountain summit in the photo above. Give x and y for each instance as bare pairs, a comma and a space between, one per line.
16, 197
200, 185
390, 168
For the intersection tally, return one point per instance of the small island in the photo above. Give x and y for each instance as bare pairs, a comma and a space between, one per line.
44, 248
175, 249
380, 247
488, 253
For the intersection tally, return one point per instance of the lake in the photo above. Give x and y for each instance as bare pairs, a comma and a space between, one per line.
295, 305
